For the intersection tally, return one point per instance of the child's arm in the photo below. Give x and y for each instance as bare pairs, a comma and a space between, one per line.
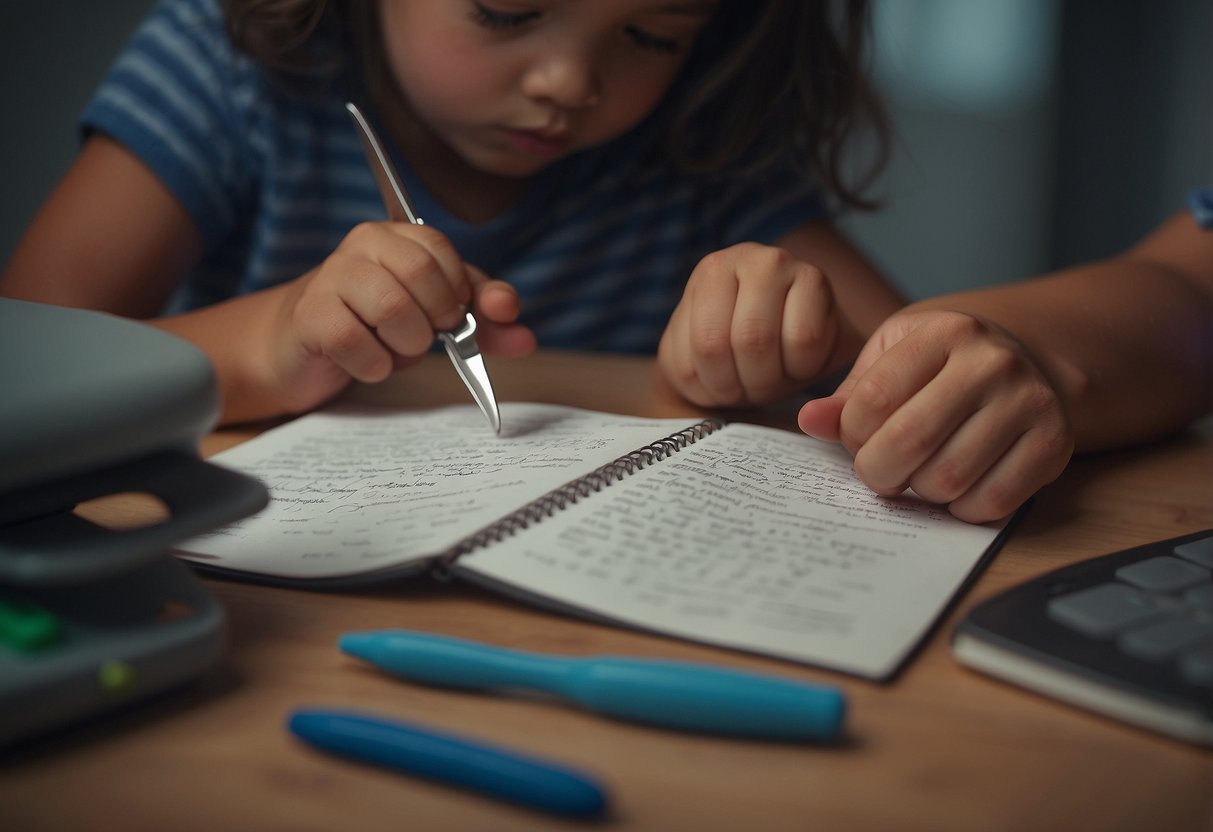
112, 237
757, 323
977, 399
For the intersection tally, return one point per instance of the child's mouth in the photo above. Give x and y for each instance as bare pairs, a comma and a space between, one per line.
542, 143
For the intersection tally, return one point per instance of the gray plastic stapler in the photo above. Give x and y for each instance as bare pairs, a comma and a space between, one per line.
94, 617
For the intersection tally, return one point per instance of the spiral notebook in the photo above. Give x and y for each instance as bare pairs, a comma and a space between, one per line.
735, 535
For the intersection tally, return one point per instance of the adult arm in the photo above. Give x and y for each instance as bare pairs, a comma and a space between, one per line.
1128, 341
977, 399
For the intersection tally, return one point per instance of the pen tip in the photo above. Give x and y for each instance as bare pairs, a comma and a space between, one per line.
358, 645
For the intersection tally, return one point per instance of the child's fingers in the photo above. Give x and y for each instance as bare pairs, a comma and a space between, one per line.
497, 301
438, 284
783, 327
327, 327
674, 357
404, 283
709, 324
479, 279
756, 335
497, 307
431, 254
507, 340
809, 331
389, 309
420, 260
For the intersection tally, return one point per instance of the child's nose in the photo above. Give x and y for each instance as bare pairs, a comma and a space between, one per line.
564, 78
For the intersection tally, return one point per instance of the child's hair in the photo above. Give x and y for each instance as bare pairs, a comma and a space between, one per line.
766, 78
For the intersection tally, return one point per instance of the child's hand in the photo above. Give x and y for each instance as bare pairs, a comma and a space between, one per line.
952, 406
376, 304
754, 324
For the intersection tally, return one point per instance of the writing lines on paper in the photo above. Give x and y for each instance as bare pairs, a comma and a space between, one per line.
354, 488
750, 536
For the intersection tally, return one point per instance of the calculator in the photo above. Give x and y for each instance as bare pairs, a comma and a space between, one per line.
1127, 634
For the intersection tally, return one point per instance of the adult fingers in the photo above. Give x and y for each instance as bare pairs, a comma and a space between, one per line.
962, 433
1036, 458
821, 418
874, 392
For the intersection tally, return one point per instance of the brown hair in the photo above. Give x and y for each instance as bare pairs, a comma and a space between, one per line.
764, 79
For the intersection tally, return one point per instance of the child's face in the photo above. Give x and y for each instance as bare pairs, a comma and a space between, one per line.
513, 85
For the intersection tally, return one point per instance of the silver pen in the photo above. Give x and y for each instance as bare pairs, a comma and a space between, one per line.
460, 343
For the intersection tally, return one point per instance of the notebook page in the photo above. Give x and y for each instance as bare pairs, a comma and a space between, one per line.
357, 489
753, 538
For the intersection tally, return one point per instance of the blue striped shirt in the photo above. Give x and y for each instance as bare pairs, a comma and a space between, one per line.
599, 247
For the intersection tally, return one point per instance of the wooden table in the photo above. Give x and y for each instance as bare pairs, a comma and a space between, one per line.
940, 748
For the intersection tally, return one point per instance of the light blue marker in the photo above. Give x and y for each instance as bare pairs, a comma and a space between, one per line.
447, 758
688, 697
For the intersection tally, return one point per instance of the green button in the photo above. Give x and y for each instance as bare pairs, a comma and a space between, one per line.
117, 676
27, 627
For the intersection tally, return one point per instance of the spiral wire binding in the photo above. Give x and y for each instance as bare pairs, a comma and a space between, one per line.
559, 498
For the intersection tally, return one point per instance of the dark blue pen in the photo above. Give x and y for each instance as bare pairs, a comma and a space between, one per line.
447, 758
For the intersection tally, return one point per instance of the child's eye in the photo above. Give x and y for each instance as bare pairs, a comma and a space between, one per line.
497, 19
650, 41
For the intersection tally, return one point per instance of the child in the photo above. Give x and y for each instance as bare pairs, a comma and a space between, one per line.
977, 399
573, 161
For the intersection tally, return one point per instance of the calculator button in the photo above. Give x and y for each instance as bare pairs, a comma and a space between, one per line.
1198, 551
1107, 609
1167, 638
1162, 574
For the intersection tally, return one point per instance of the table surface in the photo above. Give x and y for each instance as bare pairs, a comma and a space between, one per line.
940, 747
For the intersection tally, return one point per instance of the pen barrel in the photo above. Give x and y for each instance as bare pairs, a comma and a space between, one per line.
699, 698
448, 758
685, 696
452, 662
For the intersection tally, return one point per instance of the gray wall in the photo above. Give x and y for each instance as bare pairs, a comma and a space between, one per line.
1034, 134
1031, 133
52, 53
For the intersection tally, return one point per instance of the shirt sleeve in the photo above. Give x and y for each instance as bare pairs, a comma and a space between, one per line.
761, 207
170, 99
